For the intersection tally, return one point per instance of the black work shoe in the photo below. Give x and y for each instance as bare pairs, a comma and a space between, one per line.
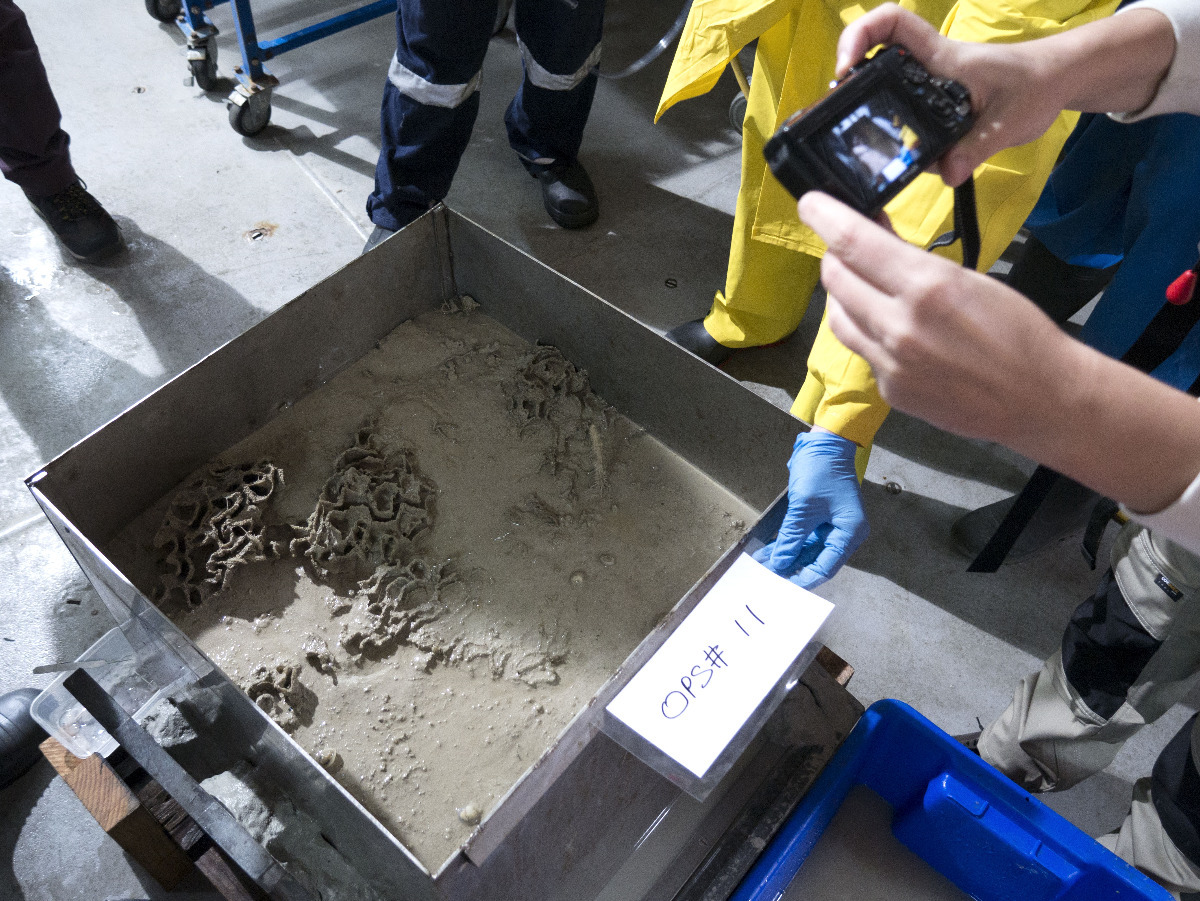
568, 194
694, 336
83, 226
380, 234
20, 735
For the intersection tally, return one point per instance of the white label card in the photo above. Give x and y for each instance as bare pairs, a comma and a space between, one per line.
691, 698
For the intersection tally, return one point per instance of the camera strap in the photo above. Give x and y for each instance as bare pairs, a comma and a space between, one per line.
966, 224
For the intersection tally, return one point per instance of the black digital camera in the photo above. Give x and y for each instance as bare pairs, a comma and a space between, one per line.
882, 125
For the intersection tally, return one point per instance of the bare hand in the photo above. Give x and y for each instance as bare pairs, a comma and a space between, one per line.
1010, 96
956, 348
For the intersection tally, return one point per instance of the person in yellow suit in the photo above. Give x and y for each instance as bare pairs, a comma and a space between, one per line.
774, 258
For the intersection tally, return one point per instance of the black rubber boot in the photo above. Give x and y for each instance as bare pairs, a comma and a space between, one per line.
80, 223
403, 215
568, 194
20, 735
694, 336
970, 741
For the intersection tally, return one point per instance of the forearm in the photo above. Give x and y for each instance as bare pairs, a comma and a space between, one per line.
1117, 430
973, 356
1114, 65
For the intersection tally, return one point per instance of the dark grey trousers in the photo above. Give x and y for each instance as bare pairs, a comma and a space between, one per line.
33, 146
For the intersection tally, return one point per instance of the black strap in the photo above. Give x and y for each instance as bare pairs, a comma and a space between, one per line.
1163, 335
988, 560
966, 222
1102, 514
966, 225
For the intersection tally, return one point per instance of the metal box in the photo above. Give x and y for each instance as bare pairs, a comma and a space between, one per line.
565, 827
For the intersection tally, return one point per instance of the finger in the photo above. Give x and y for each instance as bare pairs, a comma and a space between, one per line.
862, 310
821, 571
808, 578
815, 544
793, 534
847, 330
785, 550
997, 127
887, 24
763, 554
839, 545
809, 552
961, 161
881, 259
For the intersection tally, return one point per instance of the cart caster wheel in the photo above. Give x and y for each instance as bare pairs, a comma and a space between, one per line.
164, 10
251, 115
737, 111
203, 64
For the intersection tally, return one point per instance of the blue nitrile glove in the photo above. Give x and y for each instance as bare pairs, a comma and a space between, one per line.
825, 522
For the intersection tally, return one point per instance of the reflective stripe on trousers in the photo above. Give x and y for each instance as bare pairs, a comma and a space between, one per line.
431, 96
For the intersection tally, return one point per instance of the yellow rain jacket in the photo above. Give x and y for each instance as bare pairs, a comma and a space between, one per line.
773, 261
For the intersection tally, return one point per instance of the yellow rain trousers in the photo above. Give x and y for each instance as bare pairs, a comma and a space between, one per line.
774, 257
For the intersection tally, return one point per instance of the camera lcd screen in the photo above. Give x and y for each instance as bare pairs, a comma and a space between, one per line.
873, 144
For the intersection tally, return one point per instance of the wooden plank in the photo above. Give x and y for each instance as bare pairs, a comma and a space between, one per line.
120, 814
95, 783
147, 822
225, 878
835, 666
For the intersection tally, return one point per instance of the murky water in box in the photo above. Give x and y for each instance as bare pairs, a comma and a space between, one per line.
430, 665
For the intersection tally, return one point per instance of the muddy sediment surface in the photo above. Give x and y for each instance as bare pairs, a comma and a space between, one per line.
427, 567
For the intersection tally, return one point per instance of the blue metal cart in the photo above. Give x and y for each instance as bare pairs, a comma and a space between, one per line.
250, 102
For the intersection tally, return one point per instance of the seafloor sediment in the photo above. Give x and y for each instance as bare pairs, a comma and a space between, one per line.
426, 567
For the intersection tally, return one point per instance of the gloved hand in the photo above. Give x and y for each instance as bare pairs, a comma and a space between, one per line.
825, 522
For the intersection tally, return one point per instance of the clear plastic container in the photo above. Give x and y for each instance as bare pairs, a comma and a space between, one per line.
140, 670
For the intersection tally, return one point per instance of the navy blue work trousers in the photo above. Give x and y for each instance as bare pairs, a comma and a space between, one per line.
431, 96
1126, 193
33, 146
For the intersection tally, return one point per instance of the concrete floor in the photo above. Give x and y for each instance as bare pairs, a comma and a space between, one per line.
78, 344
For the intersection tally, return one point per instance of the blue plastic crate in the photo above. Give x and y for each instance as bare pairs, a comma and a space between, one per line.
962, 817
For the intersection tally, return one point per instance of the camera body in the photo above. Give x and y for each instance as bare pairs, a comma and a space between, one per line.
881, 126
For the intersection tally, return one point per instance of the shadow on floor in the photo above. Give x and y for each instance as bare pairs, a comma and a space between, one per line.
44, 817
979, 461
59, 387
17, 801
1026, 604
1098, 804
